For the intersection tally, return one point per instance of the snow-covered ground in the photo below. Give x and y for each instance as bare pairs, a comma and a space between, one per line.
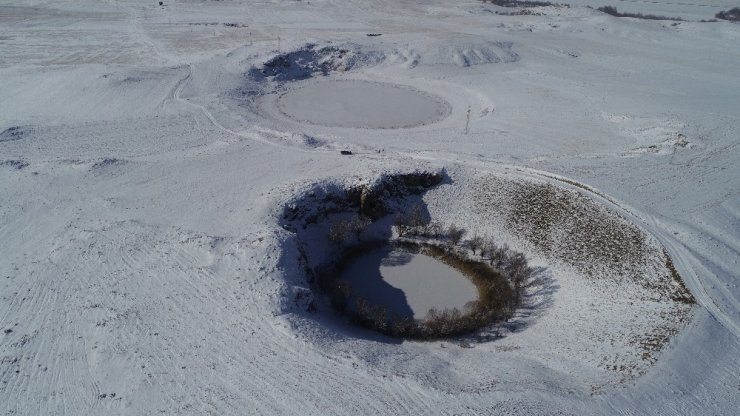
147, 152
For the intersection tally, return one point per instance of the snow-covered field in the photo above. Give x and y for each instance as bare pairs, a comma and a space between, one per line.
147, 153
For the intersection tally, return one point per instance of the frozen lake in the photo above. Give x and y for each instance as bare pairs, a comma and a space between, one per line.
408, 284
362, 104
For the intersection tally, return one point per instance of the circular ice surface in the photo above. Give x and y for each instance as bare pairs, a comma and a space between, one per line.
362, 104
408, 284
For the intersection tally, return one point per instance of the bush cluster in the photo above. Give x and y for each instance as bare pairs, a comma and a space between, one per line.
344, 230
437, 325
611, 10
413, 224
510, 263
732, 15
523, 3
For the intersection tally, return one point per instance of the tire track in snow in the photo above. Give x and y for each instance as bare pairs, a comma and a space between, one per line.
44, 309
255, 137
683, 257
688, 264
140, 274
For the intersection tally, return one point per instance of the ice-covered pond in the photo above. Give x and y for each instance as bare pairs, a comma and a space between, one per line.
408, 284
363, 104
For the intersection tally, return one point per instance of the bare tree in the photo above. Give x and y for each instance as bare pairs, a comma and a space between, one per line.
342, 230
358, 225
498, 255
339, 232
340, 295
476, 243
400, 225
455, 234
416, 216
363, 307
434, 229
380, 322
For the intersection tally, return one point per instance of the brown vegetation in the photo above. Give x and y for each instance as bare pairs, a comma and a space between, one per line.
612, 11
524, 3
733, 15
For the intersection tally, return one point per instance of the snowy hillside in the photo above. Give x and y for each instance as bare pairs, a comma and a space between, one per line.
149, 154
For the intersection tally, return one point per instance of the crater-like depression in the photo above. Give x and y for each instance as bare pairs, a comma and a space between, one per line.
362, 104
377, 256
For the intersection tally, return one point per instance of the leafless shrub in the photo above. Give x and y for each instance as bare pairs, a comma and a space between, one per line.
363, 307
402, 325
411, 222
429, 230
341, 231
380, 318
443, 323
522, 12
